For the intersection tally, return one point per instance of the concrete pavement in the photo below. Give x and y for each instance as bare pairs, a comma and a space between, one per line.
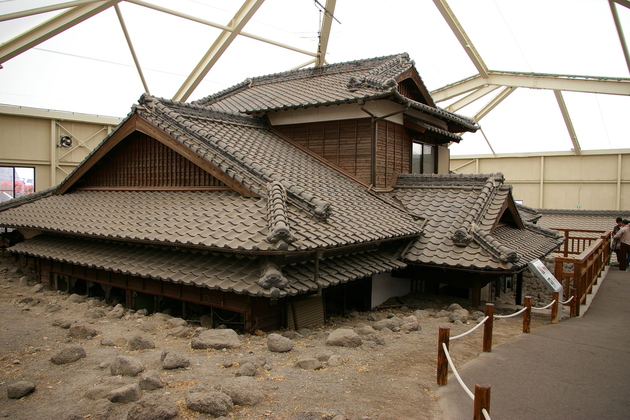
576, 369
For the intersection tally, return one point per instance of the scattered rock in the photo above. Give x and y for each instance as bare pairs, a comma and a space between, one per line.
244, 391
160, 407
308, 363
117, 312
216, 339
421, 314
68, 355
324, 355
205, 321
392, 324
455, 307
126, 366
410, 323
335, 360
138, 342
150, 380
95, 313
82, 332
38, 288
76, 298
460, 315
125, 394
176, 322
25, 300
291, 334
20, 389
142, 312
97, 392
52, 307
279, 344
247, 369
344, 338
65, 324
25, 281
174, 360
202, 400
113, 341
256, 360
180, 332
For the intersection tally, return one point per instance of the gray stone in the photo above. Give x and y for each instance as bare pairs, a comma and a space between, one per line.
308, 363
52, 307
25, 280
68, 355
215, 403
476, 315
176, 322
392, 324
180, 332
95, 313
38, 288
137, 342
335, 360
244, 391
126, 366
344, 338
174, 360
125, 394
117, 312
279, 344
216, 339
81, 332
442, 314
291, 334
150, 380
421, 314
324, 355
26, 300
246, 369
20, 389
62, 323
142, 312
363, 330
410, 323
304, 332
97, 392
373, 317
95, 302
114, 341
160, 407
458, 315
36, 302
455, 307
76, 298
257, 360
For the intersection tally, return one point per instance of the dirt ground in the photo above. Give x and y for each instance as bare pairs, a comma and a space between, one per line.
392, 380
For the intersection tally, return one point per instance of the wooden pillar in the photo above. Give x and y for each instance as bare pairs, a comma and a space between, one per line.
482, 400
487, 328
442, 362
519, 288
554, 308
527, 315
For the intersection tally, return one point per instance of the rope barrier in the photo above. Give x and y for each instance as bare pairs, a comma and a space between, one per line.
512, 315
548, 306
470, 330
566, 302
459, 379
485, 413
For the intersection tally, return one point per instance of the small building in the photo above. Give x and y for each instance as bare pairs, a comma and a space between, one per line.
277, 202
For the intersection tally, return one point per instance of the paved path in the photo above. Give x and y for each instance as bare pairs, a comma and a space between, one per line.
577, 369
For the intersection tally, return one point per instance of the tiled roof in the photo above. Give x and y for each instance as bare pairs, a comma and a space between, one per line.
460, 213
602, 220
327, 85
216, 271
322, 209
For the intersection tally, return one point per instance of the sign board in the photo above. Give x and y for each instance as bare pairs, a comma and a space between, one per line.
541, 271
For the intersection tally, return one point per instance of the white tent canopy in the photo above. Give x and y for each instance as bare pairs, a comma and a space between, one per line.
542, 75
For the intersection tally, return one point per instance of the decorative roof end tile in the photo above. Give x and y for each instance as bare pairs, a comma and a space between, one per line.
272, 277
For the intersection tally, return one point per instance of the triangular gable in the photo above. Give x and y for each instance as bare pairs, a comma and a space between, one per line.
508, 215
411, 86
140, 156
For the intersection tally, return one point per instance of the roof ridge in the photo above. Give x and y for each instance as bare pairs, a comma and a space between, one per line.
278, 218
371, 77
27, 198
494, 246
335, 68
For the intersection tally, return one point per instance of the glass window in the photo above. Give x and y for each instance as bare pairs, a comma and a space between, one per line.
16, 182
423, 159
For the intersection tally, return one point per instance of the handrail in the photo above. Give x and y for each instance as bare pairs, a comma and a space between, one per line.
481, 397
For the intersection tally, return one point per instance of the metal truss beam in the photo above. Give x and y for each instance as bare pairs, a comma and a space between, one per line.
324, 34
45, 9
470, 98
50, 28
507, 91
238, 22
586, 84
462, 37
567, 120
131, 49
622, 38
219, 26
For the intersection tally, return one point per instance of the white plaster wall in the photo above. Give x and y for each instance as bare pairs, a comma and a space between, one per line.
336, 112
384, 286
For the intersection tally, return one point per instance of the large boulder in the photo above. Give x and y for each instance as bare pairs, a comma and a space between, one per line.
344, 338
160, 407
243, 390
126, 366
279, 344
203, 400
216, 339
68, 355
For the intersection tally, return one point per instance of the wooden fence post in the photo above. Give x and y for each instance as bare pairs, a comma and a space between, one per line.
554, 308
487, 328
442, 362
574, 303
482, 400
527, 315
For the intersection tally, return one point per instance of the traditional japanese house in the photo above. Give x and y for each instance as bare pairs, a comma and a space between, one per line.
276, 201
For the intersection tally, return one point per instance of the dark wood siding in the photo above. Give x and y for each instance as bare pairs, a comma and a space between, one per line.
345, 143
142, 162
393, 154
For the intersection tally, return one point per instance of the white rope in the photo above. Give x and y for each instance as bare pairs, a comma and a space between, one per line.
570, 299
548, 306
513, 315
485, 413
470, 330
459, 379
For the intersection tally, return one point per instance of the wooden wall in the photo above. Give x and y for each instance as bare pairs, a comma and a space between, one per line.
143, 162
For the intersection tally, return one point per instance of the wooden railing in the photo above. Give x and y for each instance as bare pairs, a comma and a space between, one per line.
578, 240
587, 265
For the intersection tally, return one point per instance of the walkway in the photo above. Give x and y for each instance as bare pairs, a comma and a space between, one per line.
576, 369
